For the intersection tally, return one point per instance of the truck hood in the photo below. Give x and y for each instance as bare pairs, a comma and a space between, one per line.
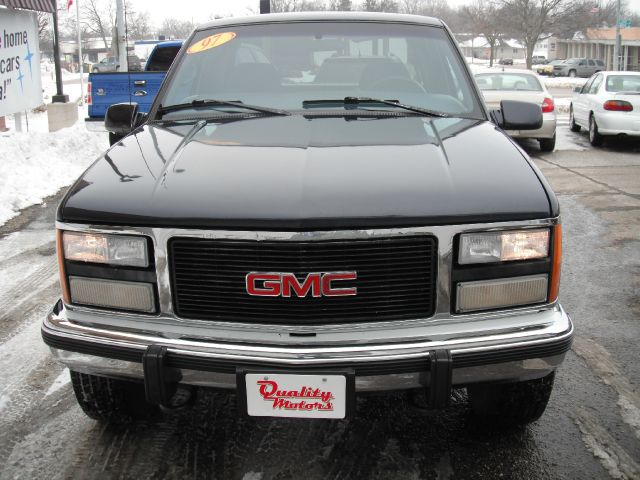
309, 173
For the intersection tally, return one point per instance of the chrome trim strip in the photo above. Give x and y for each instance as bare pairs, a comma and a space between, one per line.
445, 235
561, 328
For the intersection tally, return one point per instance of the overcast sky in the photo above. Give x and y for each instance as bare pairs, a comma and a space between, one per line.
200, 11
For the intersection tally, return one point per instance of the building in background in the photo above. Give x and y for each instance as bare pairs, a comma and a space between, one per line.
599, 43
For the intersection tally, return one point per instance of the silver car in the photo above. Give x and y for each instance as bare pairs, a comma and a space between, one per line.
578, 67
608, 104
524, 86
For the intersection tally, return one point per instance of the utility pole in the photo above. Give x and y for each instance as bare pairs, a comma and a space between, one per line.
122, 37
618, 44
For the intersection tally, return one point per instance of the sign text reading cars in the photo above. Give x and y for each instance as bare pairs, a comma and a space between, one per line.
20, 83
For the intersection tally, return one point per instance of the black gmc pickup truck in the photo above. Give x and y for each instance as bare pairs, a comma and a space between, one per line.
316, 205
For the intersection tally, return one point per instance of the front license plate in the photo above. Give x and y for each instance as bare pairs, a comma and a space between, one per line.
297, 396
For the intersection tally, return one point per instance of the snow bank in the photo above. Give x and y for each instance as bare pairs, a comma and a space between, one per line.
564, 82
37, 164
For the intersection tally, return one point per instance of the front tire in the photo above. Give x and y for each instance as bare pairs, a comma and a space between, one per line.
511, 404
548, 144
572, 121
572, 73
110, 400
594, 137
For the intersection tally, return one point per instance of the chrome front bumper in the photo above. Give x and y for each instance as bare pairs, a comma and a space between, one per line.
520, 354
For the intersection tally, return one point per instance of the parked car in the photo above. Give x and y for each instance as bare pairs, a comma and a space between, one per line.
112, 64
539, 60
524, 86
547, 68
607, 105
506, 61
578, 67
300, 242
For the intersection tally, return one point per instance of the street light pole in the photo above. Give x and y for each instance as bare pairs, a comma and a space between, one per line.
59, 97
617, 46
80, 62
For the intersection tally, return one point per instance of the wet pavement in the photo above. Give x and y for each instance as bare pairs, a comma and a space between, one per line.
591, 429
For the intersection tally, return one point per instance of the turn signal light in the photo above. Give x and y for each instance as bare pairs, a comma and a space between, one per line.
548, 106
554, 285
64, 286
618, 106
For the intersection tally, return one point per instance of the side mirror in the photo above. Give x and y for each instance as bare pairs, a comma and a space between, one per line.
121, 118
577, 89
514, 115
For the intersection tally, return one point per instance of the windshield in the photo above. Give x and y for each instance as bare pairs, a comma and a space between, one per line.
282, 65
508, 81
623, 83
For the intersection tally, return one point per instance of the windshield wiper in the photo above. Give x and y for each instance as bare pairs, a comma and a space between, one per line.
356, 101
221, 103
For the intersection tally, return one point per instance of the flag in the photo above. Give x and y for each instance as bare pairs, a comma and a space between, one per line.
69, 3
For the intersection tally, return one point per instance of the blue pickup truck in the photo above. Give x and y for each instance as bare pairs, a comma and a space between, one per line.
106, 89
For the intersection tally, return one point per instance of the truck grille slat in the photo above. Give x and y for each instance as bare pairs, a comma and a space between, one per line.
396, 279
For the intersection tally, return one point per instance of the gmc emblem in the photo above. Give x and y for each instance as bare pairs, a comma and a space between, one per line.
286, 284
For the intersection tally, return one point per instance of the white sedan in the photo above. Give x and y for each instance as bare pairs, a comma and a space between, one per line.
524, 86
608, 104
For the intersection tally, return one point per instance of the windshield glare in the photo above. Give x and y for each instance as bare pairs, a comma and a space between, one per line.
281, 65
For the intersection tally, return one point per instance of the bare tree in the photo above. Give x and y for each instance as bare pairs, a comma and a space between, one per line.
44, 19
297, 5
434, 8
174, 28
588, 14
531, 20
98, 18
340, 5
138, 25
380, 6
482, 17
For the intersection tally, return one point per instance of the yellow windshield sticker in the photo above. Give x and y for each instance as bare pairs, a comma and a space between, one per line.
211, 42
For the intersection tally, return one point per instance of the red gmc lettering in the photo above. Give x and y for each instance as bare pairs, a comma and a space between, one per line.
312, 282
270, 286
287, 284
329, 291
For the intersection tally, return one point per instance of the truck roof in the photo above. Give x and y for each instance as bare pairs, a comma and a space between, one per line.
170, 43
323, 16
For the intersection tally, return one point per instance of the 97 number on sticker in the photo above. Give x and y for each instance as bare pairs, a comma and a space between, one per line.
211, 41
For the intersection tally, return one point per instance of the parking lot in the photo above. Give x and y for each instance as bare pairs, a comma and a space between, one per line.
591, 428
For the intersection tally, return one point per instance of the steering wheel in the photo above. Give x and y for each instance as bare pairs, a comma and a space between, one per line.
397, 83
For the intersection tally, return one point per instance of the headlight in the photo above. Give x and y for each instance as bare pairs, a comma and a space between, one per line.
503, 246
111, 249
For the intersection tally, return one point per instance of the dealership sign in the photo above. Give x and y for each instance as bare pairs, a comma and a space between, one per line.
20, 83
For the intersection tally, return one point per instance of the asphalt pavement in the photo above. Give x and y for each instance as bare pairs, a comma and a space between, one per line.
591, 429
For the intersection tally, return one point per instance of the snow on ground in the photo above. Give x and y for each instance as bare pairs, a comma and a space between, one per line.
562, 105
564, 82
38, 163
